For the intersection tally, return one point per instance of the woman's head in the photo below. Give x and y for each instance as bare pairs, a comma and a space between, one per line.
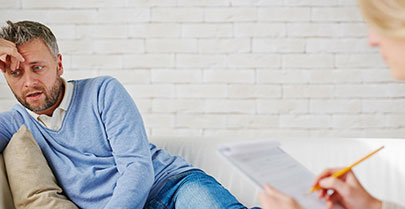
387, 17
387, 31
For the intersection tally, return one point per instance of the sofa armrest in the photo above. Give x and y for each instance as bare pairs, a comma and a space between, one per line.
6, 200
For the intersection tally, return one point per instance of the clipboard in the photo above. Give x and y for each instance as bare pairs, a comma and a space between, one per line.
266, 162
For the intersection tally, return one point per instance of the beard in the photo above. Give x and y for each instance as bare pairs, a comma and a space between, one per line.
51, 96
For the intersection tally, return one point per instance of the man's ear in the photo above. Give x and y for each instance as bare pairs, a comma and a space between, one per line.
59, 64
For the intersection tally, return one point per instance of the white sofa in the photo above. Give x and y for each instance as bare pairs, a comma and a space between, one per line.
382, 174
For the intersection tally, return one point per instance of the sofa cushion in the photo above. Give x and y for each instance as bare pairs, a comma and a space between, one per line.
32, 182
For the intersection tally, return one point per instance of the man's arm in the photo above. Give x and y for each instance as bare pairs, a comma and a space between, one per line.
128, 140
10, 122
9, 60
5, 135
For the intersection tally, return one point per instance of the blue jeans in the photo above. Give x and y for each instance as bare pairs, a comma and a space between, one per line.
193, 190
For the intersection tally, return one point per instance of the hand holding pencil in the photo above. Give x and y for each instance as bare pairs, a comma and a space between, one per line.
348, 168
347, 189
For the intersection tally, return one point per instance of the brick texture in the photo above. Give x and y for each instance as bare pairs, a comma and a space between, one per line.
250, 68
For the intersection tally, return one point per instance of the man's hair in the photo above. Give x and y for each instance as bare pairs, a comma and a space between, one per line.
25, 31
386, 16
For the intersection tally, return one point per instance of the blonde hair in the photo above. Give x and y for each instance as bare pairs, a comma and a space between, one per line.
385, 16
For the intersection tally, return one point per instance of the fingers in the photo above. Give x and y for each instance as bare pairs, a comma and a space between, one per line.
322, 193
263, 197
332, 199
324, 174
270, 190
267, 198
336, 184
329, 204
11, 62
14, 64
9, 55
272, 198
273, 191
17, 55
15, 59
12, 51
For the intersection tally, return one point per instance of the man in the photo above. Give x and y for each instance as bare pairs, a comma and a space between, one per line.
92, 134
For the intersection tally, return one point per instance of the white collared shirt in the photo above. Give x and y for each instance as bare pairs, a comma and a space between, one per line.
55, 122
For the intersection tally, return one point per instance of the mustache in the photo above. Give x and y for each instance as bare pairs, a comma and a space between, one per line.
35, 88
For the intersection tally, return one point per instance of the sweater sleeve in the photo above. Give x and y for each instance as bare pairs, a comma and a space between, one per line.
9, 124
390, 205
129, 144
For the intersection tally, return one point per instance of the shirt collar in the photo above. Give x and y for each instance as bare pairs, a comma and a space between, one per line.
65, 101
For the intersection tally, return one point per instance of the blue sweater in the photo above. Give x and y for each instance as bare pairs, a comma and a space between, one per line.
100, 156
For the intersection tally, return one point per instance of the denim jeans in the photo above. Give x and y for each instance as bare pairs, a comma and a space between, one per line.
193, 190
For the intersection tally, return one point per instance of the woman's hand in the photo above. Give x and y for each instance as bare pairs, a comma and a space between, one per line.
347, 191
274, 199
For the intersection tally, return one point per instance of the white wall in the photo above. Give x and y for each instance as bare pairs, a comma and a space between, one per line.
257, 68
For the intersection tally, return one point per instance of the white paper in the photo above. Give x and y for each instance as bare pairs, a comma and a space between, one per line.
267, 163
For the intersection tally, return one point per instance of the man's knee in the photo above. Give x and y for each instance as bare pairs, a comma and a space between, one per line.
202, 191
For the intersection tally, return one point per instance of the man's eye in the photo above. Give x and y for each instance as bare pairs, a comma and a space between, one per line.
15, 73
36, 68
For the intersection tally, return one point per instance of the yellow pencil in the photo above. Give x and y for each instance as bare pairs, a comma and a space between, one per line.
344, 170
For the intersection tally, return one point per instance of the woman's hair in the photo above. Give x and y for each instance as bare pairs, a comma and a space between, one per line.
387, 17
25, 31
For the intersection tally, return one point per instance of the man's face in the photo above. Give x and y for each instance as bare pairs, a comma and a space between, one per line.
36, 83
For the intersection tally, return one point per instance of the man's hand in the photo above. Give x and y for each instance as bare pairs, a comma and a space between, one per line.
347, 191
9, 56
274, 199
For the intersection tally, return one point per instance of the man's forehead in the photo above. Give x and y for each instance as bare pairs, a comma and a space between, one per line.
34, 44
34, 51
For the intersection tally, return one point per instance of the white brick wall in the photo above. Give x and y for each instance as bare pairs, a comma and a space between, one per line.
254, 68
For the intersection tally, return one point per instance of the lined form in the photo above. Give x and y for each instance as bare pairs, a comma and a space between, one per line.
267, 163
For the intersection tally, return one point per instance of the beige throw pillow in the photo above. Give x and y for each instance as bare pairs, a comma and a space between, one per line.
32, 182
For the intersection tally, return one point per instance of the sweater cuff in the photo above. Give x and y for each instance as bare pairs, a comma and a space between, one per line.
390, 205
